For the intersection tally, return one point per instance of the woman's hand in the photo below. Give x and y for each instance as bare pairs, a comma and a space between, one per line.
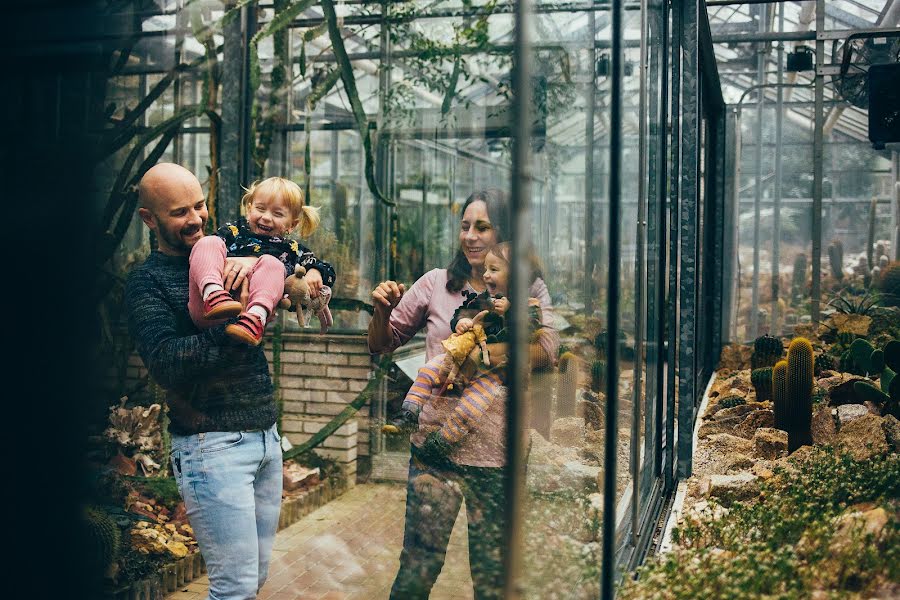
237, 269
314, 281
386, 296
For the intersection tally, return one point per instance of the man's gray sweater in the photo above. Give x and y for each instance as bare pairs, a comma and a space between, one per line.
212, 383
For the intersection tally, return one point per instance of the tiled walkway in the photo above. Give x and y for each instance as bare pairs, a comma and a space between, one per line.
349, 549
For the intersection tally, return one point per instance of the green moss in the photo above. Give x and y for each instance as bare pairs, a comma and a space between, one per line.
755, 550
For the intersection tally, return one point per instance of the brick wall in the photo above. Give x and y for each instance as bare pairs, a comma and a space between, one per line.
320, 376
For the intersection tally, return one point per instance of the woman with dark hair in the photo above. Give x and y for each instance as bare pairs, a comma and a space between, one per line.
473, 467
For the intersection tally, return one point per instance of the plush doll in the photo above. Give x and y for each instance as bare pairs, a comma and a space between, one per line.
463, 349
297, 297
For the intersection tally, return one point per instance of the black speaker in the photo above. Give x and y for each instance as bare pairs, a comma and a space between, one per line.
884, 104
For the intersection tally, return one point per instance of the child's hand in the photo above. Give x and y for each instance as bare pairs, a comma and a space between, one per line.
501, 305
464, 325
314, 280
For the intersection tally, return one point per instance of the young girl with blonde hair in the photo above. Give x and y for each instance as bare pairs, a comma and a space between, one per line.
274, 208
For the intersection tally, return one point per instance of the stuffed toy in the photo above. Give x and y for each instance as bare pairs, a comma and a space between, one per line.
464, 349
297, 297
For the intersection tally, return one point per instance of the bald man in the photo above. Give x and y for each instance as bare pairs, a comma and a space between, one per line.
226, 451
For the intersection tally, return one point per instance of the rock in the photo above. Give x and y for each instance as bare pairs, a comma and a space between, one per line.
840, 388
891, 427
770, 443
740, 410
753, 421
177, 549
863, 437
850, 412
123, 465
761, 471
737, 462
725, 443
823, 427
728, 489
717, 427
551, 454
571, 477
852, 323
735, 356
851, 523
568, 432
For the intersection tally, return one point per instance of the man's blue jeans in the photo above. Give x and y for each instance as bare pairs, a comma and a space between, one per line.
231, 485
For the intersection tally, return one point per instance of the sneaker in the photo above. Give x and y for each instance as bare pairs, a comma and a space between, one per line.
403, 423
248, 329
220, 305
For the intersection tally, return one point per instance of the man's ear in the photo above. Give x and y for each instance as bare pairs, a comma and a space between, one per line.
147, 217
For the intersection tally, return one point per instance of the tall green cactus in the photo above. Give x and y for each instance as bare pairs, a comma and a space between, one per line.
766, 351
798, 283
797, 409
836, 259
779, 392
762, 383
889, 284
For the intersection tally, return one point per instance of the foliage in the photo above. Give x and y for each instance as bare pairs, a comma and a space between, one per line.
732, 401
779, 546
850, 304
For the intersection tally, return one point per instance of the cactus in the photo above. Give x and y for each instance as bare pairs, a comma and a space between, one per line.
766, 351
845, 338
823, 363
866, 391
889, 284
798, 283
731, 401
836, 259
567, 385
779, 391
892, 355
762, 383
870, 246
879, 252
797, 409
598, 376
101, 539
861, 351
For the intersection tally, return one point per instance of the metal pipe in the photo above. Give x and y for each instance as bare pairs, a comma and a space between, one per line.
776, 217
520, 205
818, 141
757, 190
772, 36
674, 233
739, 2
589, 237
639, 283
608, 567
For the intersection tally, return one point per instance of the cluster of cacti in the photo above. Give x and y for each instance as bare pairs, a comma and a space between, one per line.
101, 539
798, 283
888, 392
792, 382
824, 362
766, 351
762, 382
888, 284
836, 259
731, 401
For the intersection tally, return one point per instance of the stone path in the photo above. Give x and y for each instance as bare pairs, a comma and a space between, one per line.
349, 549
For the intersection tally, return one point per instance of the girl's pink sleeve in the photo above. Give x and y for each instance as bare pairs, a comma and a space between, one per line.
411, 314
548, 337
